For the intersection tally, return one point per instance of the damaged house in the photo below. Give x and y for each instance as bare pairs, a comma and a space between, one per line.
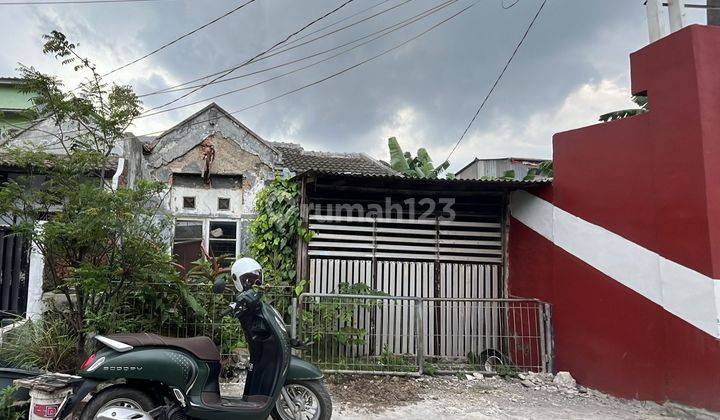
214, 167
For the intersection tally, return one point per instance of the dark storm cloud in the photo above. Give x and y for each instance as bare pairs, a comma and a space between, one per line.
438, 79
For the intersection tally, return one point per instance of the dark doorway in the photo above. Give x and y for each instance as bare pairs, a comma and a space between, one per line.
14, 268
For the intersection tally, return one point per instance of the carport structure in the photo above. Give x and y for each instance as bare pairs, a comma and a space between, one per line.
441, 241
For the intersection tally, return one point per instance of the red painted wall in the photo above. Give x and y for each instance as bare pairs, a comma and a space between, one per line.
655, 180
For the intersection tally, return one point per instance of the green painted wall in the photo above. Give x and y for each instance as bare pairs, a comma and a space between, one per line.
12, 102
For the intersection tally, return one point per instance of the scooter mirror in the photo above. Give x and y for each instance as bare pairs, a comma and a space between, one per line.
219, 286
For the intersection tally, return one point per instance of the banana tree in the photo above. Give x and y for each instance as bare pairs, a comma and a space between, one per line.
420, 166
642, 103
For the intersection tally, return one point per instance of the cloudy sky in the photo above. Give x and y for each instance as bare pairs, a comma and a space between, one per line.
573, 67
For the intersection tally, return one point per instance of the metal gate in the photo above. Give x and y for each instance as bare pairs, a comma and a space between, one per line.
14, 266
397, 334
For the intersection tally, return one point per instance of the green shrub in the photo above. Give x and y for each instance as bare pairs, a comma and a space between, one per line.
430, 369
8, 411
330, 323
47, 344
275, 232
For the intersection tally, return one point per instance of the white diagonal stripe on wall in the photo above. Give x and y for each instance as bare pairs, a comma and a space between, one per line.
685, 293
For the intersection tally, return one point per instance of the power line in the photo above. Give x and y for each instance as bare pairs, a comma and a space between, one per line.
255, 57
387, 31
345, 70
267, 56
42, 2
178, 39
499, 78
338, 22
284, 64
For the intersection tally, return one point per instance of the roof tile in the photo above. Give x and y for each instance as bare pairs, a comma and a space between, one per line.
297, 159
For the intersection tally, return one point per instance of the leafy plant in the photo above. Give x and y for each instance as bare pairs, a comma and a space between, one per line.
8, 409
420, 166
47, 344
430, 369
275, 232
640, 100
545, 170
396, 361
97, 238
330, 323
506, 371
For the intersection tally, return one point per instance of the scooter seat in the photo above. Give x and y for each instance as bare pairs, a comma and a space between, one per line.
201, 347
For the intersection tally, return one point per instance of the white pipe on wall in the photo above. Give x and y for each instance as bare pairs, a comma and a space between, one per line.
676, 8
656, 25
118, 173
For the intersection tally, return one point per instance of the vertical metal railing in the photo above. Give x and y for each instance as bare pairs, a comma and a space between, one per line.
415, 335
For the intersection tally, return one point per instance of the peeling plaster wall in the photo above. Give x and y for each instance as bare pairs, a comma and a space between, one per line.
210, 122
229, 159
237, 153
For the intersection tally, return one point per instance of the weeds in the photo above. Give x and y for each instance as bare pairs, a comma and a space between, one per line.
48, 344
8, 410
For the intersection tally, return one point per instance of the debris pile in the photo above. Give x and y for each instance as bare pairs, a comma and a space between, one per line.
563, 382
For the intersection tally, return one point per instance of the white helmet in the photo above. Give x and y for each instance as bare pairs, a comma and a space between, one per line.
245, 273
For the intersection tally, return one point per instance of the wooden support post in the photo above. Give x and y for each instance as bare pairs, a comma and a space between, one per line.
437, 293
676, 9
302, 269
656, 26
374, 285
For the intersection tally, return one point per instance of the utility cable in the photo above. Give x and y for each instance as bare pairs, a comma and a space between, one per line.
253, 58
394, 28
497, 81
287, 63
345, 70
267, 55
178, 39
45, 3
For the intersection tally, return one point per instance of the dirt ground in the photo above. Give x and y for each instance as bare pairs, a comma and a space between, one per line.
487, 398
475, 397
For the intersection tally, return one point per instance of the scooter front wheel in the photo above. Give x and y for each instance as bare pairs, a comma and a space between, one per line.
303, 400
118, 402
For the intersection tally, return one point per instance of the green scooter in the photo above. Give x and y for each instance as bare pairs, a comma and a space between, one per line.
149, 377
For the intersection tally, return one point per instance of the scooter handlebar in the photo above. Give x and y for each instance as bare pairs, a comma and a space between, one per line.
230, 310
245, 300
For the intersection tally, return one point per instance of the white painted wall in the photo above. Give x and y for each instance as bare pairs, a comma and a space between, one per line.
683, 292
35, 306
206, 202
